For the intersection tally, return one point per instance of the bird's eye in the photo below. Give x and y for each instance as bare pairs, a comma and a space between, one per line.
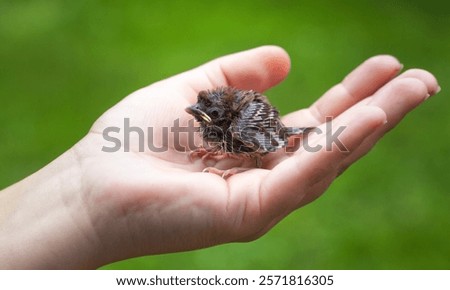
215, 113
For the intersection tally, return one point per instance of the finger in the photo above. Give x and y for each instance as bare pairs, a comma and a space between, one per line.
362, 82
399, 97
258, 69
310, 173
426, 77
359, 84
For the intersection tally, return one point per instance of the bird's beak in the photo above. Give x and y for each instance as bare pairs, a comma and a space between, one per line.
193, 110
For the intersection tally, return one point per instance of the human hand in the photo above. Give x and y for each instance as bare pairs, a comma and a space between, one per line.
127, 204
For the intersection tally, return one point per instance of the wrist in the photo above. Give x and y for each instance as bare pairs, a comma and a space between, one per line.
43, 223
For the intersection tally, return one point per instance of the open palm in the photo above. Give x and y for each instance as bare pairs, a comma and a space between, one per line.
145, 202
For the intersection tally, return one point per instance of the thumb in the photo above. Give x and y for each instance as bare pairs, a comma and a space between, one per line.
258, 69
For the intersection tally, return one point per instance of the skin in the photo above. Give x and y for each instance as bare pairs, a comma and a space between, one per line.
88, 207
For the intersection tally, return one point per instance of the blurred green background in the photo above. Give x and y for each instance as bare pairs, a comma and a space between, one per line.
63, 63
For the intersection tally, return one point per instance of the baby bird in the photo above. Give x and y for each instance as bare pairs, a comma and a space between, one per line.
239, 124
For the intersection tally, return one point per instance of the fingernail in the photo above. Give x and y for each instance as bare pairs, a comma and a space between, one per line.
434, 93
427, 96
401, 66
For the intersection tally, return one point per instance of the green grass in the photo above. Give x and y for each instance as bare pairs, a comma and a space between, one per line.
63, 63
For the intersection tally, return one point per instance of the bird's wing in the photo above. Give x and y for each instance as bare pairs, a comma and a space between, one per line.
258, 127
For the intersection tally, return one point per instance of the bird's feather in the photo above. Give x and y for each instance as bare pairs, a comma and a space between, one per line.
240, 122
